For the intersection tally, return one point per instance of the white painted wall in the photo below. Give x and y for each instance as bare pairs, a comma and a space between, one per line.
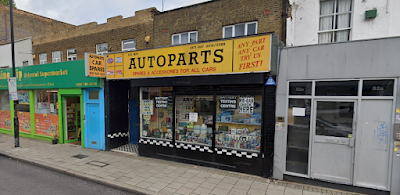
302, 27
23, 52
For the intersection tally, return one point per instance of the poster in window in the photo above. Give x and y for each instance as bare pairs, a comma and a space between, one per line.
46, 124
246, 104
24, 119
147, 107
5, 119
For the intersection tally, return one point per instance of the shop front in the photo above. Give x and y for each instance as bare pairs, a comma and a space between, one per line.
204, 103
51, 101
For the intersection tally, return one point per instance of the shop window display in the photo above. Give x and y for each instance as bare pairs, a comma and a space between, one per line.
156, 112
194, 118
5, 115
239, 122
23, 111
46, 112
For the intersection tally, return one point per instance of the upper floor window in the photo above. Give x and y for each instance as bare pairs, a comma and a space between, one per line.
102, 48
71, 55
25, 63
129, 44
56, 56
182, 38
43, 58
242, 29
334, 21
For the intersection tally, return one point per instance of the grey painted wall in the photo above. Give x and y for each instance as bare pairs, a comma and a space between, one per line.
377, 58
23, 52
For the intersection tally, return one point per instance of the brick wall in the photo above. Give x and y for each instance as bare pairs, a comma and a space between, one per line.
87, 43
27, 25
209, 18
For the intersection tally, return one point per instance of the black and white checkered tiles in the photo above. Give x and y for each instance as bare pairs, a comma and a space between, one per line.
200, 148
119, 134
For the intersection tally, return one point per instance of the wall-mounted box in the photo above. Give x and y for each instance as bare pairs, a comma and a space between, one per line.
370, 14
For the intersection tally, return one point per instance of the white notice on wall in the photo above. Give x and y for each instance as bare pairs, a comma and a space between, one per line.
193, 117
299, 111
51, 107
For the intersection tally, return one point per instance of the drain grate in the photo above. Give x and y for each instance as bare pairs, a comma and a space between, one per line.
80, 156
97, 163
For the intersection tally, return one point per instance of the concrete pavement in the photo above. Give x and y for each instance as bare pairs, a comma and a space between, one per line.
143, 175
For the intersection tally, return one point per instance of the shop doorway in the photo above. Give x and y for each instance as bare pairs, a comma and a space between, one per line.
72, 119
333, 142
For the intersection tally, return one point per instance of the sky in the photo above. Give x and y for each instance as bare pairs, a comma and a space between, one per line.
79, 12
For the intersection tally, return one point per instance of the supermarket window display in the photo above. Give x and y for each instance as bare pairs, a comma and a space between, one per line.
238, 122
23, 111
156, 107
46, 102
5, 115
194, 118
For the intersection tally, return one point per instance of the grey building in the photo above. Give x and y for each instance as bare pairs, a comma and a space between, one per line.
337, 111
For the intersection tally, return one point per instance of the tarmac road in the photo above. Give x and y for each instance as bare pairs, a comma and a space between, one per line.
21, 178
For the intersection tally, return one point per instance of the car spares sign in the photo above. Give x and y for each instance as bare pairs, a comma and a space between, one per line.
241, 55
95, 65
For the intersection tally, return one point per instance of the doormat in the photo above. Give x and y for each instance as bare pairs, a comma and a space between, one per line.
80, 156
131, 148
97, 163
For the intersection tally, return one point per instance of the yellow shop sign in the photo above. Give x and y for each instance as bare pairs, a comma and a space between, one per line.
95, 65
218, 57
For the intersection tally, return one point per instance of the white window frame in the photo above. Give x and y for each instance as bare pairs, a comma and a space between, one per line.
43, 61
72, 57
128, 49
233, 28
334, 21
103, 52
55, 60
180, 37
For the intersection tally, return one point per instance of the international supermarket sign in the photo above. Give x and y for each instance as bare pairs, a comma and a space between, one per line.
243, 55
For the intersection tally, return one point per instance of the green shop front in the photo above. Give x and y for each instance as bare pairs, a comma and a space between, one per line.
51, 101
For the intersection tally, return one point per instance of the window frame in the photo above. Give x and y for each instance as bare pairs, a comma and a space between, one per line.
334, 21
55, 60
180, 37
129, 49
25, 61
43, 61
71, 58
246, 24
101, 53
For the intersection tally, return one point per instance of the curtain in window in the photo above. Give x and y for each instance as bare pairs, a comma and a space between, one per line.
326, 23
343, 20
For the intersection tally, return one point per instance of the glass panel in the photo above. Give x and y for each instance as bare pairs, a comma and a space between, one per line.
25, 63
325, 37
334, 119
298, 136
56, 55
129, 44
343, 6
5, 115
194, 117
102, 47
156, 110
193, 37
342, 36
239, 120
71, 52
326, 7
239, 30
72, 117
43, 56
175, 39
251, 29
184, 38
336, 88
46, 102
326, 23
300, 88
378, 88
93, 95
228, 32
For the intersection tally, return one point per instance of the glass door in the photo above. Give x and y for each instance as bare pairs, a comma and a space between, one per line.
72, 119
333, 141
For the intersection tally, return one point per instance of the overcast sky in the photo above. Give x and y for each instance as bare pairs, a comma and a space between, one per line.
79, 12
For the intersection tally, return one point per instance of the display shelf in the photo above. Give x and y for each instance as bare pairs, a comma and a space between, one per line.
238, 123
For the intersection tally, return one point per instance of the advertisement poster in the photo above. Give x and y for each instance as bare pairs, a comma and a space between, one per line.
147, 107
246, 104
24, 121
5, 119
23, 97
46, 124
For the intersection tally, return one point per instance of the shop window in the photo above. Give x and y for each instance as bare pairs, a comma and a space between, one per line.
93, 95
156, 112
334, 21
71, 55
238, 121
46, 112
336, 88
194, 118
243, 29
102, 49
378, 87
23, 111
128, 45
5, 115
43, 58
298, 135
57, 56
334, 118
182, 38
25, 63
300, 88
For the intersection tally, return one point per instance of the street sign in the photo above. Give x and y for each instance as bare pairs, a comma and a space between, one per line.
12, 88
